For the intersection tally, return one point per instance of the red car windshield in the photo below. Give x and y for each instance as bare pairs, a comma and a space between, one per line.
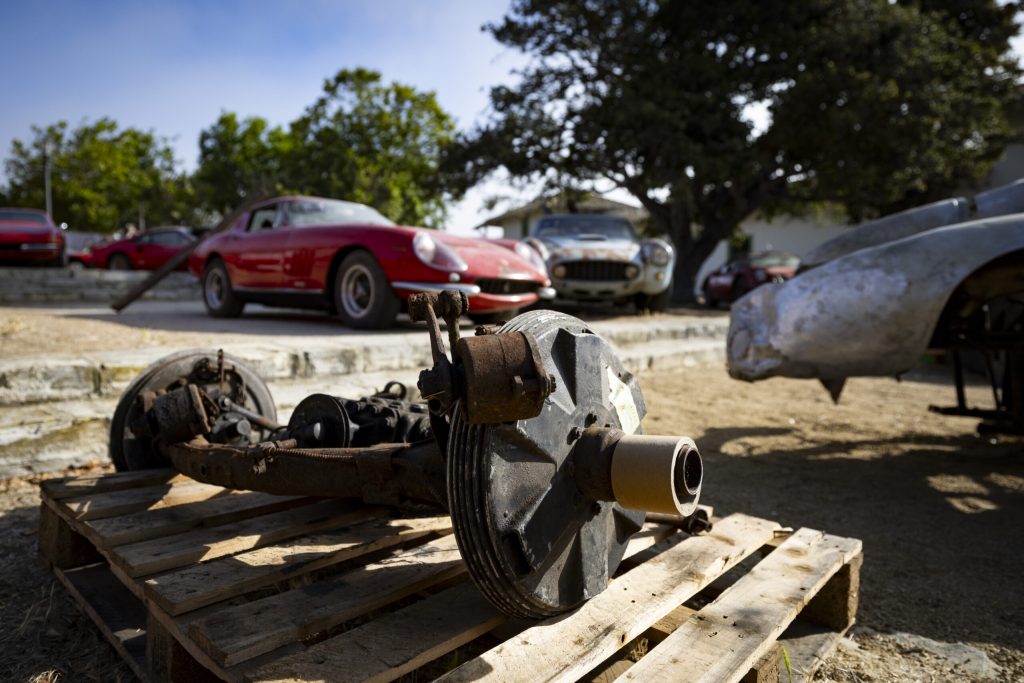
310, 212
23, 217
775, 261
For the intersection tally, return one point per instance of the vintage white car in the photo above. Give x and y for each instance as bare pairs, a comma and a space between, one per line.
596, 257
870, 306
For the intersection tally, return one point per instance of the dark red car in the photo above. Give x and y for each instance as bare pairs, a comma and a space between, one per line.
311, 252
736, 278
146, 251
29, 236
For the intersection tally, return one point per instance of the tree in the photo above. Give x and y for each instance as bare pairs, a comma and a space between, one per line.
373, 143
873, 104
360, 140
239, 160
102, 176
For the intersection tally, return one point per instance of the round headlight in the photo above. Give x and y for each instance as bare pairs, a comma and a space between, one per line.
531, 256
632, 272
559, 271
437, 254
659, 255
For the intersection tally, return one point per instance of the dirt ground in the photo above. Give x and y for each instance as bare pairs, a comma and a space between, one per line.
938, 508
90, 328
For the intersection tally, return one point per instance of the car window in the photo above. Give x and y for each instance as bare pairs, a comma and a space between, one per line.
169, 239
612, 227
776, 260
23, 217
313, 212
263, 219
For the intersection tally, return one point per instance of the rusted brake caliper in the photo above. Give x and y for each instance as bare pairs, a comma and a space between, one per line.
529, 437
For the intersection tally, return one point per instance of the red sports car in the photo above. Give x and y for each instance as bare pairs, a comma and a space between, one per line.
310, 252
146, 251
29, 236
736, 278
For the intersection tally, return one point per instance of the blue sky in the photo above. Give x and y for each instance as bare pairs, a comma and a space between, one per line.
173, 67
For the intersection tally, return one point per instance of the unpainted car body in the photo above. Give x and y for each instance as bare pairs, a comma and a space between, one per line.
30, 237
874, 311
313, 252
596, 257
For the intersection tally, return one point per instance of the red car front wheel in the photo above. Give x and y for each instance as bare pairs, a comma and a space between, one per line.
220, 299
363, 296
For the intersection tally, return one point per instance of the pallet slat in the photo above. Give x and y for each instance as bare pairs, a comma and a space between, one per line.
206, 543
110, 504
141, 526
393, 645
724, 639
236, 634
566, 649
204, 584
68, 487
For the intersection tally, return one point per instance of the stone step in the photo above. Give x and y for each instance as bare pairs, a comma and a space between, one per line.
73, 377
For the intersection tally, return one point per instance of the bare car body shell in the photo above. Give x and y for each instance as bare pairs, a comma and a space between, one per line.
874, 310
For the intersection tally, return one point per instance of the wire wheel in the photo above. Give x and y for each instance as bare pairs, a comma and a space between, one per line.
215, 288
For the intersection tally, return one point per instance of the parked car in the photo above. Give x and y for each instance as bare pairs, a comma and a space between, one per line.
739, 276
79, 247
146, 251
312, 252
528, 250
596, 257
30, 237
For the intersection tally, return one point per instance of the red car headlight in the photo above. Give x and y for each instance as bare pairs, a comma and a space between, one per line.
437, 254
531, 256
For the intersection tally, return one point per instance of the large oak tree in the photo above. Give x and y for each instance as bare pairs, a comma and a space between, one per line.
872, 104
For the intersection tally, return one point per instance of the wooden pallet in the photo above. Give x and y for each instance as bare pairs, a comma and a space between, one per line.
192, 582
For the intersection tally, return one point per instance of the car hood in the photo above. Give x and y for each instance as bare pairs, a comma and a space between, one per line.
486, 259
571, 248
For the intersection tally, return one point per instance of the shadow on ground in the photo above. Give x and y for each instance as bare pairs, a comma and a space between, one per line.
940, 518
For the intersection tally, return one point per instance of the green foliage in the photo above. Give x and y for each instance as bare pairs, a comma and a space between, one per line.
361, 140
239, 161
102, 176
874, 105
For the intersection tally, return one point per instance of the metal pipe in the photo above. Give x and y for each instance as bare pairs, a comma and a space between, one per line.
657, 474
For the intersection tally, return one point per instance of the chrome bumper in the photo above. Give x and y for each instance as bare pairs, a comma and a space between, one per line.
468, 290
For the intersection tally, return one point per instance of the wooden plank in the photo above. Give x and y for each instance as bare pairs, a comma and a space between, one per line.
808, 646
114, 503
168, 661
120, 617
568, 648
210, 582
394, 644
141, 526
68, 487
727, 637
198, 545
235, 634
59, 544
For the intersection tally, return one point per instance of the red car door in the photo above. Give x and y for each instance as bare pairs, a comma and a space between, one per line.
164, 246
259, 251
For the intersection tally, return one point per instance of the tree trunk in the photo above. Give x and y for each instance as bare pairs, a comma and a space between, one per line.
688, 264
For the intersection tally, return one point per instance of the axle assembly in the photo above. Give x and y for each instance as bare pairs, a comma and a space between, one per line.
529, 437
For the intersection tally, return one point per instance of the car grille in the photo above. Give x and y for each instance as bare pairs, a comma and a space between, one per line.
596, 271
494, 285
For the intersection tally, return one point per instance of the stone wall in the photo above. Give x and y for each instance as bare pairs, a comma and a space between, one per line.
68, 285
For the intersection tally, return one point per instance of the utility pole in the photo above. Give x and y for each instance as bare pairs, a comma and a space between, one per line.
47, 165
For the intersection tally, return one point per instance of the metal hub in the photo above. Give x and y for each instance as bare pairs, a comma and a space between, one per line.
356, 291
243, 402
534, 543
